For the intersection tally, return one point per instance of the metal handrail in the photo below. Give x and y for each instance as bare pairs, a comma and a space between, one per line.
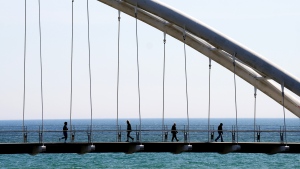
151, 133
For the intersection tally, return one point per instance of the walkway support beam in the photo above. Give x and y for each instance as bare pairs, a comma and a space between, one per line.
222, 57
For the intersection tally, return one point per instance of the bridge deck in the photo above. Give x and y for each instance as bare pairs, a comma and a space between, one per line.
173, 147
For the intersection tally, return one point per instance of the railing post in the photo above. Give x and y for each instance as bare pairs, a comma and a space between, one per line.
25, 134
233, 134
281, 134
72, 133
185, 135
281, 137
165, 134
212, 134
258, 134
25, 137
119, 134
89, 134
40, 135
137, 134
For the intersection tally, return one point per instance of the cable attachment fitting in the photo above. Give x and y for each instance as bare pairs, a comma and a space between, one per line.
209, 63
233, 61
282, 89
119, 15
164, 37
183, 34
135, 11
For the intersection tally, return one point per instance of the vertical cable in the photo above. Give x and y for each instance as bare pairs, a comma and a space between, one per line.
118, 76
71, 92
138, 69
254, 111
237, 133
284, 128
90, 74
118, 73
41, 64
164, 65
186, 87
24, 71
208, 127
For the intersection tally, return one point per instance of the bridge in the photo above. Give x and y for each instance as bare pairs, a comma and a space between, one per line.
259, 72
110, 138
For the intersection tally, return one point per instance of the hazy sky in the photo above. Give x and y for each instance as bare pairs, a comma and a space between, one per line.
269, 27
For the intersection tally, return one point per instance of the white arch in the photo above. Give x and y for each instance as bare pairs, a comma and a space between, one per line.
250, 66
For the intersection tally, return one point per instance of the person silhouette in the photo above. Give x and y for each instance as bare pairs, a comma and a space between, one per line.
129, 131
65, 132
220, 131
174, 132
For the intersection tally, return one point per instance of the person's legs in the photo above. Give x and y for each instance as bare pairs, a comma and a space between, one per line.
128, 135
66, 136
218, 137
221, 137
173, 136
131, 137
62, 138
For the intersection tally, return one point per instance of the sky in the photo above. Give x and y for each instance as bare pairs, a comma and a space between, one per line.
270, 28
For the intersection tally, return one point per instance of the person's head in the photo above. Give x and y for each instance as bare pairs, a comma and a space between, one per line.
221, 124
65, 123
174, 124
128, 122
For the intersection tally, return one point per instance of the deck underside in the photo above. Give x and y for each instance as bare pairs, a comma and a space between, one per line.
173, 147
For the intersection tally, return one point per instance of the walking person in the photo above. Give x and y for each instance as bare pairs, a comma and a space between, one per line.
65, 132
220, 131
174, 132
128, 131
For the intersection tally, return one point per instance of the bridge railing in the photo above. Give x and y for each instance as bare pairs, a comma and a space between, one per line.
149, 133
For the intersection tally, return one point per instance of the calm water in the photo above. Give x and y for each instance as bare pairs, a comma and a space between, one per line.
150, 160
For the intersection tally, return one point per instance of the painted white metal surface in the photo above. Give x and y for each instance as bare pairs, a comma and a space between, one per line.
219, 40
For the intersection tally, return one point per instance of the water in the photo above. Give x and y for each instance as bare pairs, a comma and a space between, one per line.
150, 160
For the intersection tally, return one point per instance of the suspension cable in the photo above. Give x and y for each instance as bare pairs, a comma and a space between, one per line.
24, 71
138, 69
71, 92
90, 74
164, 66
284, 127
208, 127
237, 133
186, 85
41, 65
118, 78
118, 71
254, 111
